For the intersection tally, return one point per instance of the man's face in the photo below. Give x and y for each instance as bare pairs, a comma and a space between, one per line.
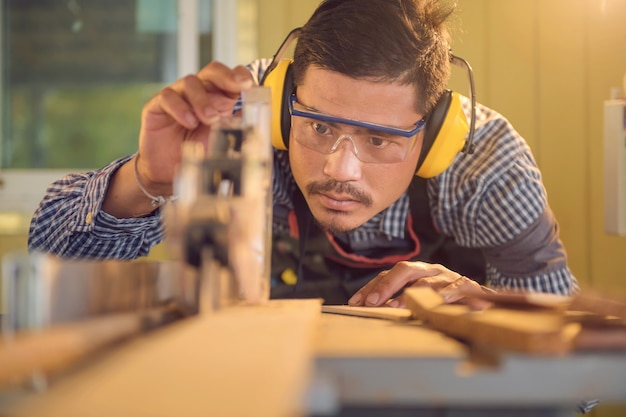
342, 191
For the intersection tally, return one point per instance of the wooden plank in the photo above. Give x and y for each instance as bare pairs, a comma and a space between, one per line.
241, 361
387, 313
535, 331
57, 348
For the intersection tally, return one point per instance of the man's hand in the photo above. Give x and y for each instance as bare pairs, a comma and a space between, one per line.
380, 290
183, 112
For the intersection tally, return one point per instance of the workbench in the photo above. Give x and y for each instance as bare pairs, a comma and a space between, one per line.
286, 358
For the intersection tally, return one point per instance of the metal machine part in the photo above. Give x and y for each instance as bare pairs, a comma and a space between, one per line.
220, 225
41, 290
58, 312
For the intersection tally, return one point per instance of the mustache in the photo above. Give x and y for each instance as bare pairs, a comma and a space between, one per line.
340, 188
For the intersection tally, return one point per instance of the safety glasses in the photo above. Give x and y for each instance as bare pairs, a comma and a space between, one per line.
370, 142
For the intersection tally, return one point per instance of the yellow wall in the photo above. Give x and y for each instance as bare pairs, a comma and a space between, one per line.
547, 65
277, 18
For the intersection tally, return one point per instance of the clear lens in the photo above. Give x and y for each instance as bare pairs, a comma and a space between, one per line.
368, 145
370, 142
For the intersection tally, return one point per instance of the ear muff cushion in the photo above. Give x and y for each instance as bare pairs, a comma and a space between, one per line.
444, 135
280, 82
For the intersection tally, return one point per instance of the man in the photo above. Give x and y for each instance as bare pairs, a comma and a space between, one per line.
352, 221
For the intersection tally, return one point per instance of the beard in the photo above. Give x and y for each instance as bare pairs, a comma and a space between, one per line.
335, 226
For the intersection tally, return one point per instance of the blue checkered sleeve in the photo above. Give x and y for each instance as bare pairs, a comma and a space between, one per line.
69, 221
493, 200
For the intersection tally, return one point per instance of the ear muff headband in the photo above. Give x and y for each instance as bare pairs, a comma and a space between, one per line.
444, 135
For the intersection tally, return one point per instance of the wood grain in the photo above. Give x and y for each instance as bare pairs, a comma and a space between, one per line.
535, 331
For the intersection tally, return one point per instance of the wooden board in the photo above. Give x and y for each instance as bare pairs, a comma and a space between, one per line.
528, 330
387, 313
240, 361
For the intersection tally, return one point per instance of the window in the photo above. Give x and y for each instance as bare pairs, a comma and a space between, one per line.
74, 75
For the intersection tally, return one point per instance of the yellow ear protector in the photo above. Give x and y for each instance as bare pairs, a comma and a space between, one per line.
280, 81
446, 133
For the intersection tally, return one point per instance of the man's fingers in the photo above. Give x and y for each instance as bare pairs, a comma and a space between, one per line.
165, 107
360, 298
397, 302
387, 283
230, 81
200, 98
461, 291
436, 282
205, 106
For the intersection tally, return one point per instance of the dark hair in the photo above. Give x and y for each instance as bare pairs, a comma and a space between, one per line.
380, 40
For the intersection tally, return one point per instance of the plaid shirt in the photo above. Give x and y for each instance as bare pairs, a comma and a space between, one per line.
485, 200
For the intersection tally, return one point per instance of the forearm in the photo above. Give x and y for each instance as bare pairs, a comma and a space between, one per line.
558, 281
69, 221
107, 239
534, 261
124, 198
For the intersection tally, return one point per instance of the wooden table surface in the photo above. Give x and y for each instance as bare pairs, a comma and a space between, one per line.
241, 361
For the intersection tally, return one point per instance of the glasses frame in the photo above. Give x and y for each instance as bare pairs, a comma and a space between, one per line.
310, 114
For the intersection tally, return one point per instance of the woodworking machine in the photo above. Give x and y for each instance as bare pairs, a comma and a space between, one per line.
218, 231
